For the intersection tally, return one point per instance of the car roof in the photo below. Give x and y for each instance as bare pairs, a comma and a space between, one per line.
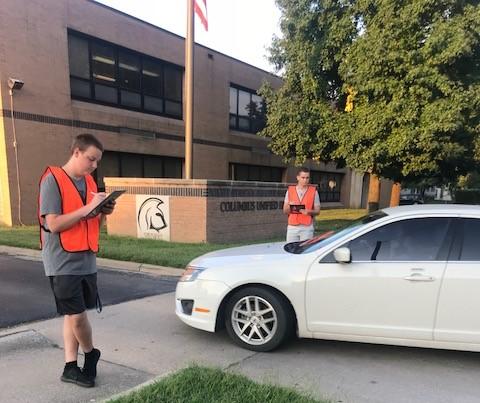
433, 209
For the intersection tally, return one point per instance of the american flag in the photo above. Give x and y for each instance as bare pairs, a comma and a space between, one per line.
201, 10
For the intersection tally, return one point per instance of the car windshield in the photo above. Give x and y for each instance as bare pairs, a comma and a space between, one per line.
319, 241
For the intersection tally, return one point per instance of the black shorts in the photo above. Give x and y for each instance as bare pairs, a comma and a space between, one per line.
75, 294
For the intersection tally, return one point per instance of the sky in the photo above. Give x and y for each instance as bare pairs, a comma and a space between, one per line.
239, 28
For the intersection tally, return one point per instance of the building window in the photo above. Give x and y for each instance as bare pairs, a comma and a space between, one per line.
247, 110
243, 172
329, 185
117, 164
104, 73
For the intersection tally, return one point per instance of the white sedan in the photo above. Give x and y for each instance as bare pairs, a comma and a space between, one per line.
407, 275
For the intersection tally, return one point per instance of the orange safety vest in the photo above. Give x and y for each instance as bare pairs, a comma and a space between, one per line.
83, 236
308, 200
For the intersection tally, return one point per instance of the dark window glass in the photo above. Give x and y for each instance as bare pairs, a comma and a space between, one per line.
173, 168
80, 88
266, 175
277, 175
471, 239
247, 111
173, 84
105, 94
131, 99
131, 165
329, 185
408, 240
173, 108
152, 78
257, 113
233, 122
129, 70
124, 78
153, 104
243, 103
153, 167
243, 172
233, 101
254, 172
109, 166
103, 62
244, 124
78, 57
118, 164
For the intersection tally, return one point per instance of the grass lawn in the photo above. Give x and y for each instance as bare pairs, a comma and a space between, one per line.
206, 385
335, 218
162, 253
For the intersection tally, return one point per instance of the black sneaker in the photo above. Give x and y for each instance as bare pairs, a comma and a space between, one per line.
90, 366
75, 375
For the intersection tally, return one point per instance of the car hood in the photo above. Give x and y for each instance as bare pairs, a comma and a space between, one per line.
242, 255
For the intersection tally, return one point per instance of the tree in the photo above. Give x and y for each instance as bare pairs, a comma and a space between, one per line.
413, 70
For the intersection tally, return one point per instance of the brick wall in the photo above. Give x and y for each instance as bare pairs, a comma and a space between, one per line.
205, 210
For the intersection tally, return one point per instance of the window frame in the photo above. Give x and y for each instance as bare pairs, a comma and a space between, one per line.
236, 115
118, 155
446, 246
328, 196
118, 86
233, 165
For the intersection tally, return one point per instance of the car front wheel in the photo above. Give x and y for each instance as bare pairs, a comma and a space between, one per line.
258, 319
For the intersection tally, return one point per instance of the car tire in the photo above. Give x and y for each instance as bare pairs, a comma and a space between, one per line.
264, 326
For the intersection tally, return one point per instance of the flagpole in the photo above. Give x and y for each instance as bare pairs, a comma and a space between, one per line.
189, 43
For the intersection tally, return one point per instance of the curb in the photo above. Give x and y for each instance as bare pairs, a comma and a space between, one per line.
109, 264
138, 387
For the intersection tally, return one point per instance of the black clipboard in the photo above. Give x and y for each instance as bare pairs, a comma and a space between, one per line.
98, 209
295, 208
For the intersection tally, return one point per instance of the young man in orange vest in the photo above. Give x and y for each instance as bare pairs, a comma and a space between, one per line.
69, 243
300, 220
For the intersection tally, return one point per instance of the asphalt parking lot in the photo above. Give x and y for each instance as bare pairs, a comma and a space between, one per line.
142, 340
25, 293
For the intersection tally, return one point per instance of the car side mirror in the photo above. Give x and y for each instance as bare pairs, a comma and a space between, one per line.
342, 255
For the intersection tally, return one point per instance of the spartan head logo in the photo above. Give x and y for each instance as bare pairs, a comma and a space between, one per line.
150, 215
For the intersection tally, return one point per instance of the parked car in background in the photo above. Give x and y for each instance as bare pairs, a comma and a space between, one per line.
406, 275
413, 198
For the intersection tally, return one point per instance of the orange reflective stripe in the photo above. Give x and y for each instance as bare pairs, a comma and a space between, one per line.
83, 236
308, 200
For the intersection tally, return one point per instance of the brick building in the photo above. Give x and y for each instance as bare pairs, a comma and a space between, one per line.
90, 68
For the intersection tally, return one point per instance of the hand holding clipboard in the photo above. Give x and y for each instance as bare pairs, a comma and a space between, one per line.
104, 203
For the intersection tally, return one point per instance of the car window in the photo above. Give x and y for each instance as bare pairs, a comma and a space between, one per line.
419, 239
322, 240
471, 239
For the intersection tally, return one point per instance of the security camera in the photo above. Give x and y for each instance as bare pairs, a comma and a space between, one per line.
15, 83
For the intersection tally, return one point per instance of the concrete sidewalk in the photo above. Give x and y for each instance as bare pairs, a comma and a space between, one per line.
32, 254
139, 340
142, 339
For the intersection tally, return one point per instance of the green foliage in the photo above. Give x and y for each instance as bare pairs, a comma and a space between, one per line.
469, 181
415, 68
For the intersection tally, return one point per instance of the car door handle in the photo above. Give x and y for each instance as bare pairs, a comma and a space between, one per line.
419, 277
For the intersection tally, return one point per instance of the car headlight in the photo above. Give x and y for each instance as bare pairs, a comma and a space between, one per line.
191, 273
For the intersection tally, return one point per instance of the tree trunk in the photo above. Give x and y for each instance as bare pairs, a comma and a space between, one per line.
395, 195
373, 193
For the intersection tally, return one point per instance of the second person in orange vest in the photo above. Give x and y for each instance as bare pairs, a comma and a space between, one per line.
301, 204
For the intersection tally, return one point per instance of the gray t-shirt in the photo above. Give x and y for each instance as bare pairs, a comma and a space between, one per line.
57, 261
